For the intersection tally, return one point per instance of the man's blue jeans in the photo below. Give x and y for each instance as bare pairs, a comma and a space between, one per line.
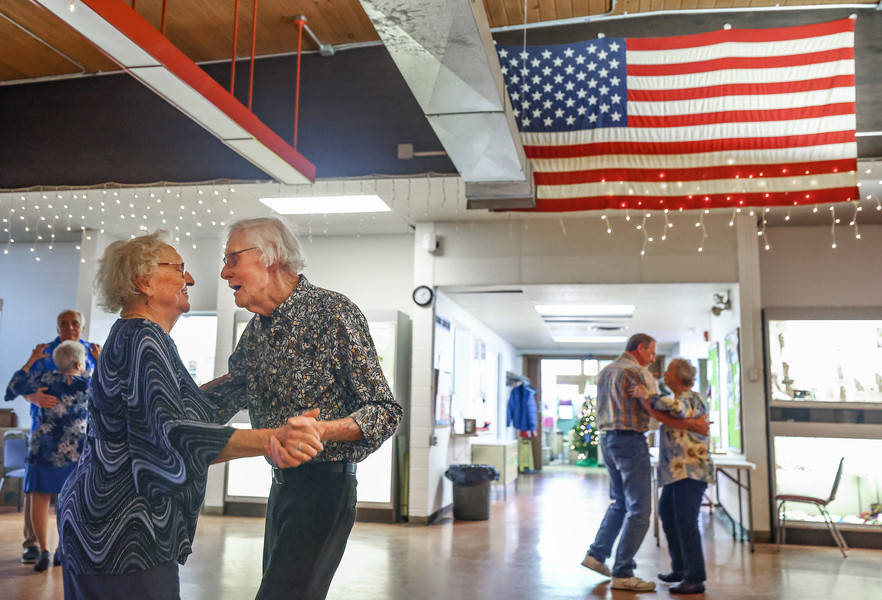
627, 460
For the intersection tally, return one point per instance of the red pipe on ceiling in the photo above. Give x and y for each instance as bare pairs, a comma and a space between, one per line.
253, 44
300, 21
235, 42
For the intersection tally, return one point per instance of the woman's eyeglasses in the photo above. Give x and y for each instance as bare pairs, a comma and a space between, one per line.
231, 258
180, 265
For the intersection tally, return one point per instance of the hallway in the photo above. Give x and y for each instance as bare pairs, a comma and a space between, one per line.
530, 548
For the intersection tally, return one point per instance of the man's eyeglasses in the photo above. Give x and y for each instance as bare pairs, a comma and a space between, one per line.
180, 266
231, 258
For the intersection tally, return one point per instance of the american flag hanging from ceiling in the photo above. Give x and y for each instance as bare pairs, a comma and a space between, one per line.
738, 117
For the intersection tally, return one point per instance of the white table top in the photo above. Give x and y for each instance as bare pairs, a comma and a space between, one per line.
721, 461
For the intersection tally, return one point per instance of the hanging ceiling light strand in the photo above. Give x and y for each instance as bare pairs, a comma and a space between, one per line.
646, 237
833, 226
703, 232
764, 234
857, 209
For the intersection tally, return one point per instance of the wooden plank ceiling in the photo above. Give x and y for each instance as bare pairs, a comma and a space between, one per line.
35, 45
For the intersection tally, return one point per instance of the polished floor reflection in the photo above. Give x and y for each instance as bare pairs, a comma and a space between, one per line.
530, 548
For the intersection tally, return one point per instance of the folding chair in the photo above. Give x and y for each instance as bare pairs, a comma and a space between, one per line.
821, 503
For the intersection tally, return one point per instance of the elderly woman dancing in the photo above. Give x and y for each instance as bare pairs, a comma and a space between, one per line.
684, 469
127, 515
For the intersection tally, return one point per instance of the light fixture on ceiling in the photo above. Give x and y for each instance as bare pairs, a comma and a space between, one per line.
590, 339
318, 205
721, 303
585, 310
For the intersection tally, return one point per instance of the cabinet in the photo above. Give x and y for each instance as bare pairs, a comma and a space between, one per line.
824, 398
806, 458
502, 455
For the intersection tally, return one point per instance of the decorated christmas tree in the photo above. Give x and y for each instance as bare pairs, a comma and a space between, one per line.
585, 435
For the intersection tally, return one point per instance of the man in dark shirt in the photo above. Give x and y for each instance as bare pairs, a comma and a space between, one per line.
305, 348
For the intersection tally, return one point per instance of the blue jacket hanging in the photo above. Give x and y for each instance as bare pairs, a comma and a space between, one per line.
522, 412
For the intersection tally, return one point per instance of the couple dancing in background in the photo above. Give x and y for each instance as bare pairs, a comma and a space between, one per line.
305, 368
627, 395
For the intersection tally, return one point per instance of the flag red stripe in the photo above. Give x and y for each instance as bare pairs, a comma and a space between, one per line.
696, 202
740, 62
742, 116
733, 172
710, 38
742, 89
688, 147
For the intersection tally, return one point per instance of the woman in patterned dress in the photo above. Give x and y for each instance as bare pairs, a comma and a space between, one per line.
127, 515
684, 469
58, 428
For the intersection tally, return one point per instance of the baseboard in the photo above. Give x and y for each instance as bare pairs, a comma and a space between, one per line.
436, 516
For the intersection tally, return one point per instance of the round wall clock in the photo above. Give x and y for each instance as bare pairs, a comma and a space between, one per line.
423, 295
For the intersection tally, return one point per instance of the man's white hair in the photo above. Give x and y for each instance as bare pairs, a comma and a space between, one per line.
277, 244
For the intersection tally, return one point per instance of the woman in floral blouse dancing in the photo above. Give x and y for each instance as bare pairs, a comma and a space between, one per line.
685, 469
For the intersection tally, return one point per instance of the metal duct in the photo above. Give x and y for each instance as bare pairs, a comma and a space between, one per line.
444, 50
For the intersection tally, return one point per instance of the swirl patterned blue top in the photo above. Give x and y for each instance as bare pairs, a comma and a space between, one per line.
133, 500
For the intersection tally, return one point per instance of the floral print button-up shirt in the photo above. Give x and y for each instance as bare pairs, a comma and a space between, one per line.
682, 454
313, 351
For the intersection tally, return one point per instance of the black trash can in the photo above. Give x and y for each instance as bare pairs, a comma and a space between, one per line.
471, 490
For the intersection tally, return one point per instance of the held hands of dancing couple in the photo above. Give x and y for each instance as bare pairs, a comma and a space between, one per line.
701, 425
295, 442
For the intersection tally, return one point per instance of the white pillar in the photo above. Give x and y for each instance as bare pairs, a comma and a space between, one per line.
753, 394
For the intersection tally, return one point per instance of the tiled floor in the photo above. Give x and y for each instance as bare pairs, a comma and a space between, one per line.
530, 548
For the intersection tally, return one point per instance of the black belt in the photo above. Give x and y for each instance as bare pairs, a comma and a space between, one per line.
621, 432
280, 475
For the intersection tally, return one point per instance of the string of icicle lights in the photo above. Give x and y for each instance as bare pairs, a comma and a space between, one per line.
42, 216
38, 217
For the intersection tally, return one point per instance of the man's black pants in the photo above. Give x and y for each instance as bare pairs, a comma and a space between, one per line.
309, 516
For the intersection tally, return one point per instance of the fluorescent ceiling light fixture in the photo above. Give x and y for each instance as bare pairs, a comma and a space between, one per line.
585, 310
590, 339
317, 205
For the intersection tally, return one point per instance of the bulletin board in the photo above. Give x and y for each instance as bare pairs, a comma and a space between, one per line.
714, 397
733, 390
